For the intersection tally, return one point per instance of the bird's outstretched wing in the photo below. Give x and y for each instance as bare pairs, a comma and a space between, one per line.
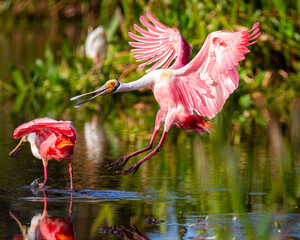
46, 124
159, 44
207, 81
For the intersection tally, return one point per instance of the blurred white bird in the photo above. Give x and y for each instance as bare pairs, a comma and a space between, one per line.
96, 141
96, 44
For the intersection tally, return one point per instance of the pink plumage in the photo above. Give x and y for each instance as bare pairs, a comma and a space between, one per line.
207, 81
49, 139
201, 86
46, 125
160, 45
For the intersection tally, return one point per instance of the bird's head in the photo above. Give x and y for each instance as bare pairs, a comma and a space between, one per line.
109, 87
15, 152
31, 137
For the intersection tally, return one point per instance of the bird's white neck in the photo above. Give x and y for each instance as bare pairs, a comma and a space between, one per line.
145, 81
34, 149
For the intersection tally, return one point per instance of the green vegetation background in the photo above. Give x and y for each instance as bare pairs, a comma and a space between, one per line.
269, 77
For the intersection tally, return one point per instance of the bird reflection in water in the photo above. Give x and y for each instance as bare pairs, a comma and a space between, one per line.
95, 140
43, 226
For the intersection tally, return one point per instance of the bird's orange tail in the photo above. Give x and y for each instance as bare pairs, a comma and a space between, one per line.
208, 126
203, 125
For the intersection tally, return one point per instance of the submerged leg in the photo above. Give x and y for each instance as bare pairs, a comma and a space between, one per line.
45, 177
71, 175
71, 205
159, 120
135, 166
123, 160
45, 203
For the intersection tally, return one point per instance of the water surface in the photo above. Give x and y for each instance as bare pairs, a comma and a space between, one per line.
195, 188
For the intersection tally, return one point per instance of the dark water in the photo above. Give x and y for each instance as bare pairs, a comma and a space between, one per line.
197, 187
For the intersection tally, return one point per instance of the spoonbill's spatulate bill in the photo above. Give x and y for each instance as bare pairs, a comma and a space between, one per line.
185, 91
49, 139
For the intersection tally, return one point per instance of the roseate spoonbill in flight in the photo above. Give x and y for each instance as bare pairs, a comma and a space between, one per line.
49, 139
185, 91
96, 44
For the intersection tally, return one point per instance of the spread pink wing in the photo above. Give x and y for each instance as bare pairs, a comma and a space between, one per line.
207, 81
46, 125
159, 44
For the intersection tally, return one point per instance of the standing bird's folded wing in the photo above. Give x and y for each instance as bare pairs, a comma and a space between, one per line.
207, 81
46, 124
159, 45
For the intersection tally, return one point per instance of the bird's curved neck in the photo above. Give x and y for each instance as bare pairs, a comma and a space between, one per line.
34, 148
145, 81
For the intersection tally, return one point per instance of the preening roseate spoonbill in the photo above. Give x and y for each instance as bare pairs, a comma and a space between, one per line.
185, 91
96, 44
49, 139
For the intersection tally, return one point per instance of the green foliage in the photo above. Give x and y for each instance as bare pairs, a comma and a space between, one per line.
269, 77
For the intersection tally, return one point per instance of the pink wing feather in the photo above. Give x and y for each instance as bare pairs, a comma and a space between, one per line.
159, 45
207, 81
47, 125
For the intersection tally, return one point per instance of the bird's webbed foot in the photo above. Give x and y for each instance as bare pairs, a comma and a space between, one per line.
126, 171
119, 163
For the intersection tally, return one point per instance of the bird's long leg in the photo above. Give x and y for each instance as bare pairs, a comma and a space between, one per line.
159, 120
71, 175
123, 160
135, 166
45, 177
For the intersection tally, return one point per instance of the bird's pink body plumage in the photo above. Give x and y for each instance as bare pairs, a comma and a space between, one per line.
186, 91
160, 43
204, 84
54, 140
